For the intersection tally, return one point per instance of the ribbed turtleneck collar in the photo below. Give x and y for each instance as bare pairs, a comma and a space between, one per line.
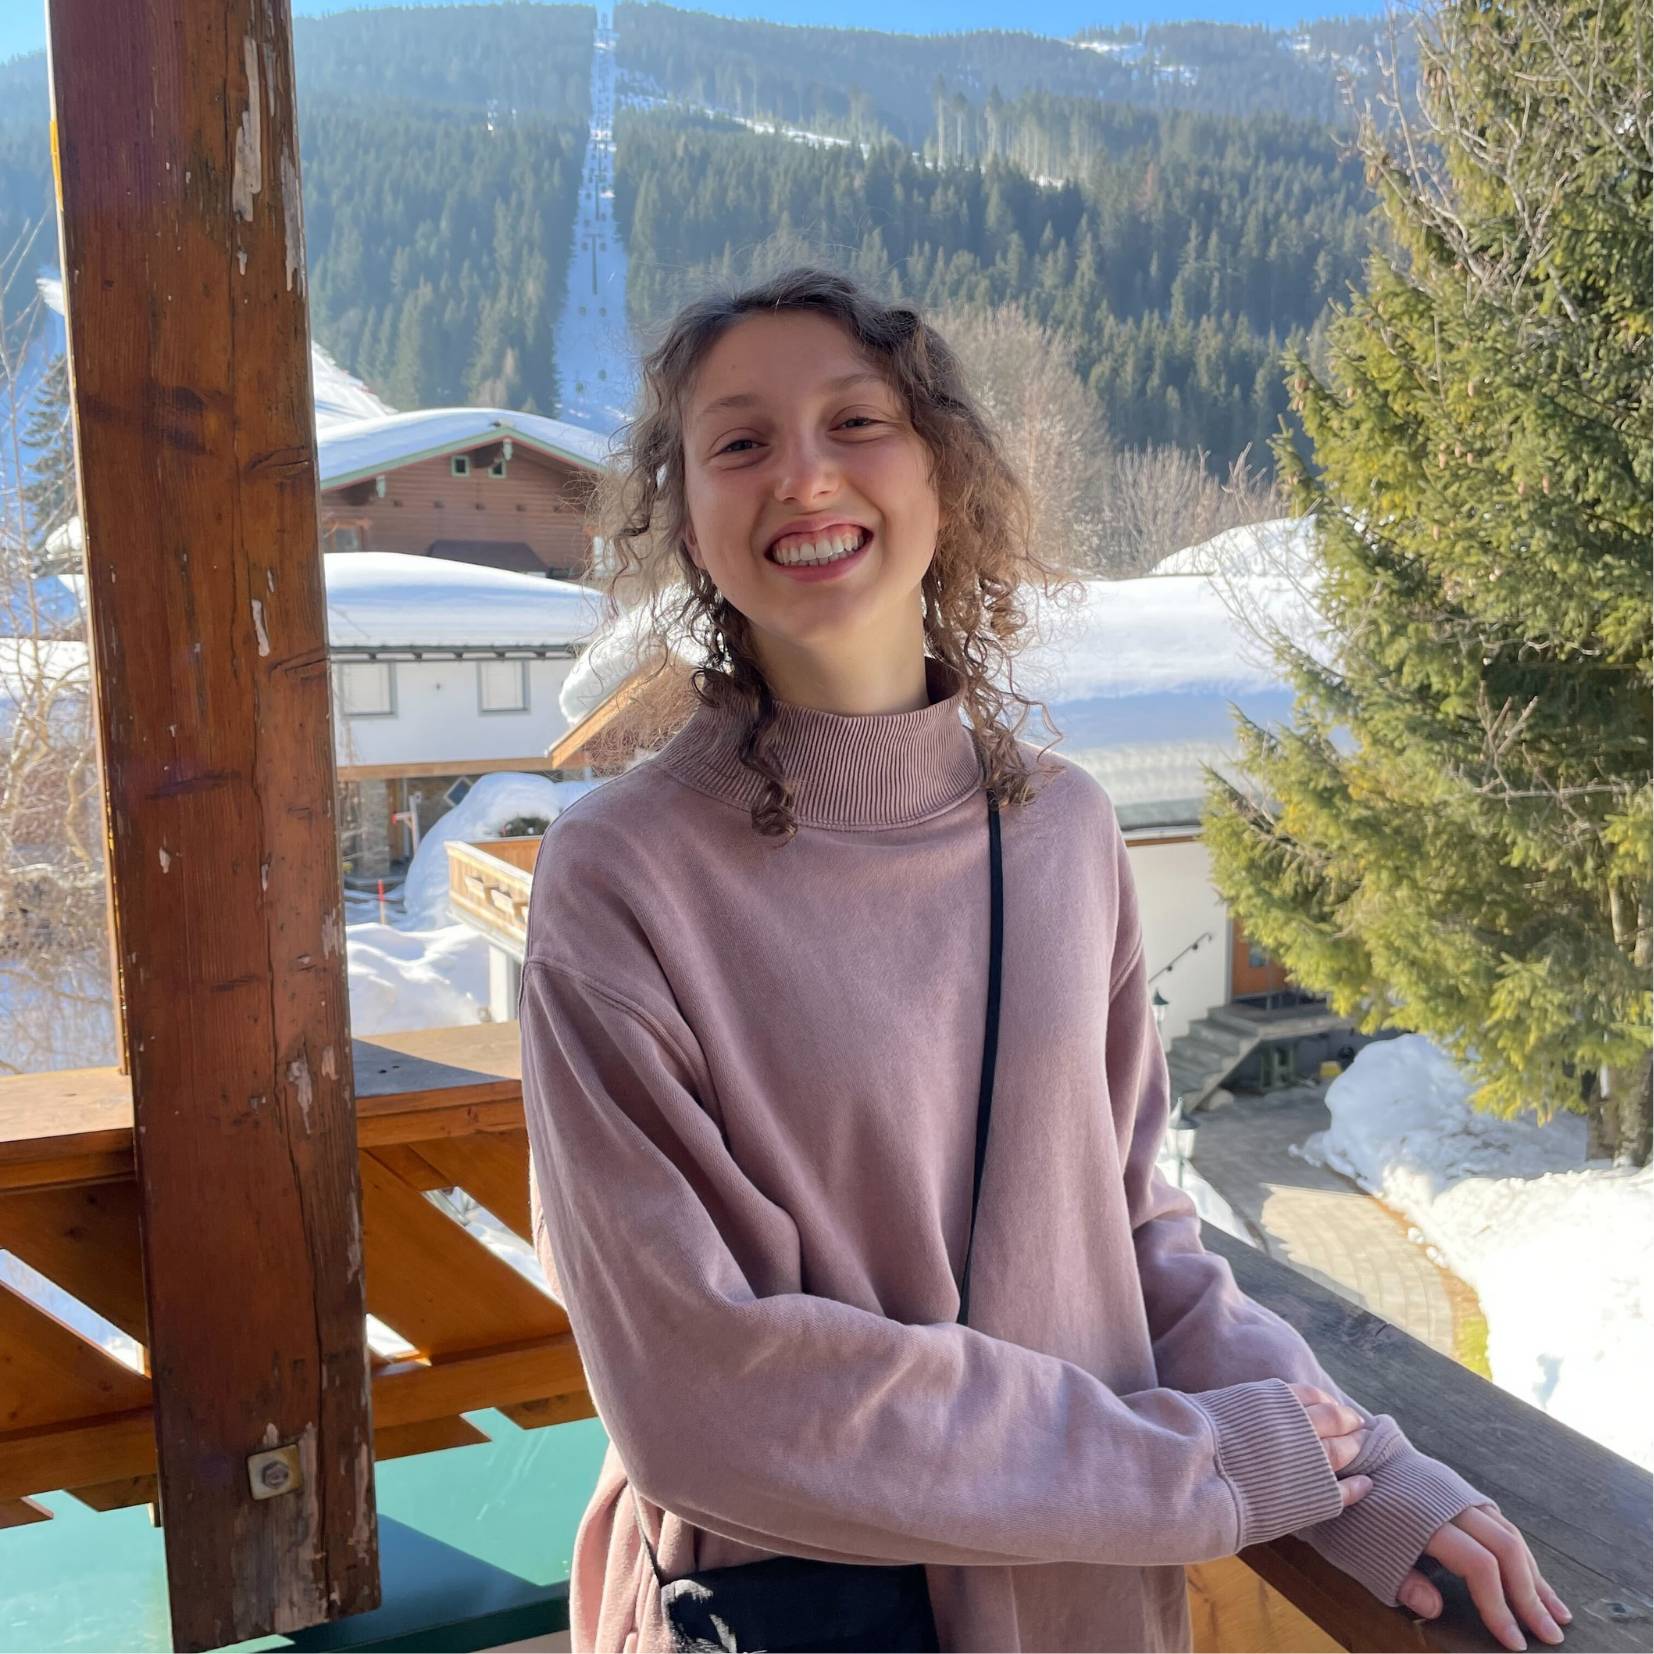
852, 770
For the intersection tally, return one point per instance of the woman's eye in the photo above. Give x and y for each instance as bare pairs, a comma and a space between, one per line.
866, 419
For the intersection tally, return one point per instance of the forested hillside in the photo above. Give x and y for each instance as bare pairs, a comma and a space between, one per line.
533, 59
864, 84
437, 247
1201, 247
1171, 200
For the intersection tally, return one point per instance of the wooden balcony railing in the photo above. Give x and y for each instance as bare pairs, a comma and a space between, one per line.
435, 1110
443, 1109
488, 885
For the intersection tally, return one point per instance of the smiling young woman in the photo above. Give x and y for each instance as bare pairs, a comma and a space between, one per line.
752, 1033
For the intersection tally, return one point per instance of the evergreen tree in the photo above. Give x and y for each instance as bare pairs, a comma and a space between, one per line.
49, 443
1471, 859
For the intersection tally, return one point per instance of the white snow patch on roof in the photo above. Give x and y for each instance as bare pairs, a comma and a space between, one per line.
366, 445
385, 598
610, 659
1281, 546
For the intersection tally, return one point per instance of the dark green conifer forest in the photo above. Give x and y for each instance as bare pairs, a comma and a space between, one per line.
1174, 202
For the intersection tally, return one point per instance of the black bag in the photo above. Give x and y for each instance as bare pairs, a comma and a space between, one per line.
795, 1603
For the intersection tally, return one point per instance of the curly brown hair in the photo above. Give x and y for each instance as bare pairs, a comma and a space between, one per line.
973, 615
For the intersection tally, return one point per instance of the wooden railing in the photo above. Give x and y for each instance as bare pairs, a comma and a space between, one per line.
443, 1109
488, 886
435, 1110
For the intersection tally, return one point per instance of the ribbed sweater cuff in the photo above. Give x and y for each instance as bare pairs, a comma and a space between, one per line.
1378, 1538
1269, 1453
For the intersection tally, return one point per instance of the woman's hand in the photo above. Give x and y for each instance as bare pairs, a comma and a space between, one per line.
1342, 1436
1489, 1553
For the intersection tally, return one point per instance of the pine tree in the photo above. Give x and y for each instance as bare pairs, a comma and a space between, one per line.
1454, 835
48, 440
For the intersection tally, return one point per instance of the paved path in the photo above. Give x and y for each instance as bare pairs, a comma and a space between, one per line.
1321, 1222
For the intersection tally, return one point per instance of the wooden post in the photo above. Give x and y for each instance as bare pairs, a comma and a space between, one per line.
184, 276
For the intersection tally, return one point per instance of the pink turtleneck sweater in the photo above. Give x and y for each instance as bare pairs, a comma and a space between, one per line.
750, 1074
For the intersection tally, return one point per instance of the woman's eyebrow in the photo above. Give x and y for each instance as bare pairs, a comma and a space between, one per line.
744, 399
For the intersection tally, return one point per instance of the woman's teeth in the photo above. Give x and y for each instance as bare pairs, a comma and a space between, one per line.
828, 549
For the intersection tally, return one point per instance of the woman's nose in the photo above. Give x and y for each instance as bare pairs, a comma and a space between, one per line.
805, 464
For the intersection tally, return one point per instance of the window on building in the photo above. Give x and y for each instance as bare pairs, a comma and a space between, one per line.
460, 465
497, 469
1255, 956
502, 685
344, 537
367, 689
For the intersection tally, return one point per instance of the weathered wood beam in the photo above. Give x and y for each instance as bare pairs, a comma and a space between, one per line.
184, 274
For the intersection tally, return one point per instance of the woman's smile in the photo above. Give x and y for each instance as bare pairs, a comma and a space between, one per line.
824, 567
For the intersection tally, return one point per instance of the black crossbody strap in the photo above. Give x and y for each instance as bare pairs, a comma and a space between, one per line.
985, 1096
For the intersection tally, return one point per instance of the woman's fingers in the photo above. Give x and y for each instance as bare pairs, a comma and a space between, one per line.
1417, 1593
1478, 1567
1352, 1488
1517, 1566
1559, 1609
1342, 1450
1493, 1561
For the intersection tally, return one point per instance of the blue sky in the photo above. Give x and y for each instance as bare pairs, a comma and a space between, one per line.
23, 22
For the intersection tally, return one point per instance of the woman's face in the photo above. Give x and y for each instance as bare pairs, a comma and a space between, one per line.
787, 420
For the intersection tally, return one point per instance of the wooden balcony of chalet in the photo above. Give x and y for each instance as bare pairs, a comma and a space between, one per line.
484, 1408
248, 1185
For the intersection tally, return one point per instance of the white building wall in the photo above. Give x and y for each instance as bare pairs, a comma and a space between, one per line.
1178, 903
437, 717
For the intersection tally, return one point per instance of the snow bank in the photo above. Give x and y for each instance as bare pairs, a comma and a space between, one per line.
1555, 1248
481, 814
402, 979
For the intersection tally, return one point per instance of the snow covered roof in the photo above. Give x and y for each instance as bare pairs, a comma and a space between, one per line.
1140, 678
365, 447
1275, 547
1143, 681
27, 665
381, 599
386, 598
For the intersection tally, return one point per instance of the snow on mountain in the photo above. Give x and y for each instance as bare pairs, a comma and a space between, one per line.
340, 396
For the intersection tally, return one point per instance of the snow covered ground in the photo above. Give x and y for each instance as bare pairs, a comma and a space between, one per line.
1556, 1248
